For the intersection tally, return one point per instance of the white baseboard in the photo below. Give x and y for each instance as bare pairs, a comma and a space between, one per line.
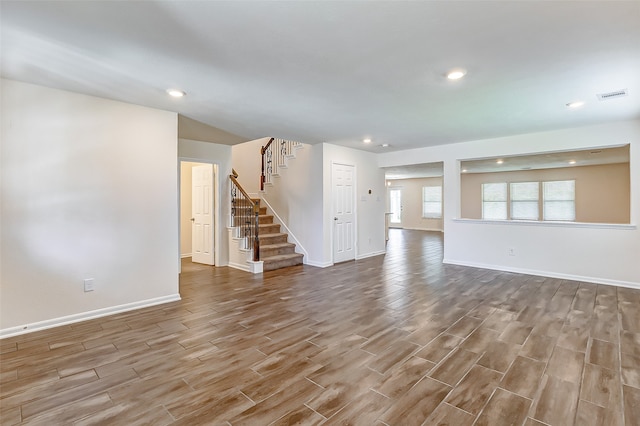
239, 266
317, 264
182, 256
571, 277
84, 316
372, 254
255, 267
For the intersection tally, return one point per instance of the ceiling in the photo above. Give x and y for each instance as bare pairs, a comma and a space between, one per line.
339, 72
552, 160
414, 171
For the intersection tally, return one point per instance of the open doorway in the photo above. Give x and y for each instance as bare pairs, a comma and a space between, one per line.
199, 212
415, 196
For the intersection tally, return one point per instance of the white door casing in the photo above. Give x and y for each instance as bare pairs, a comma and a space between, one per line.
202, 214
344, 227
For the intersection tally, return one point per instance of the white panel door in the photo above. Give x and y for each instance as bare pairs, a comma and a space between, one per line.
202, 214
344, 230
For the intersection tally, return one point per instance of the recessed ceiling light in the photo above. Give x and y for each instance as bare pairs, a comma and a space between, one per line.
572, 162
384, 145
175, 93
456, 74
464, 170
575, 104
499, 161
367, 140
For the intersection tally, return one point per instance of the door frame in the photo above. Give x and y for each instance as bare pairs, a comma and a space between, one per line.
216, 206
355, 209
395, 188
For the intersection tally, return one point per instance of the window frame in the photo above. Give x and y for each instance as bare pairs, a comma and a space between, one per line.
545, 201
535, 201
504, 202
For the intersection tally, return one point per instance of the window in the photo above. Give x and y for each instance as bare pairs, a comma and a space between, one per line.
494, 201
432, 202
559, 200
524, 200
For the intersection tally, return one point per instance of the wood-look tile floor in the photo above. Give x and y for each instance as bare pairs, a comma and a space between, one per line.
399, 339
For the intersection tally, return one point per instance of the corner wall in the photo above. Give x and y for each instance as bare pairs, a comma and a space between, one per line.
596, 253
89, 190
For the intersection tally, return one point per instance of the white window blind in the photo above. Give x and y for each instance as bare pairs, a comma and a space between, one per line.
559, 200
494, 201
524, 200
432, 202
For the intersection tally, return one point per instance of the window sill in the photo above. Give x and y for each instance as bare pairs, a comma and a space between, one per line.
549, 224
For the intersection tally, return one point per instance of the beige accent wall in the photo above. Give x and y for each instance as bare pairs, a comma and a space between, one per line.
412, 203
602, 192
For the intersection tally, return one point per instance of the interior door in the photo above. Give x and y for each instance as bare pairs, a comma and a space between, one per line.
343, 189
202, 214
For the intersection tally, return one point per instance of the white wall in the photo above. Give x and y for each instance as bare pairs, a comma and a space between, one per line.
88, 191
370, 208
296, 199
208, 152
597, 253
247, 162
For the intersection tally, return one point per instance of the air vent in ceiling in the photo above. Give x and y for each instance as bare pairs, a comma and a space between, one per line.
612, 95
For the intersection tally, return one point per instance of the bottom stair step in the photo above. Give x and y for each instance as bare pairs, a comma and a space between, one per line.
281, 261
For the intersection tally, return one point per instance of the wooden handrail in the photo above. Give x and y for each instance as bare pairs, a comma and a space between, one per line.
263, 151
266, 147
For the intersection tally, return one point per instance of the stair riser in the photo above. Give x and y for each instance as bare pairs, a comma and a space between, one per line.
266, 252
273, 240
272, 228
270, 266
265, 220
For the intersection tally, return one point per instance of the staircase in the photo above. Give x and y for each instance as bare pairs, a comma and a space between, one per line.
255, 241
275, 251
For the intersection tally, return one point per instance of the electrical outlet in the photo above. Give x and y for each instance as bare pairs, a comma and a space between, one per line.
511, 251
88, 284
